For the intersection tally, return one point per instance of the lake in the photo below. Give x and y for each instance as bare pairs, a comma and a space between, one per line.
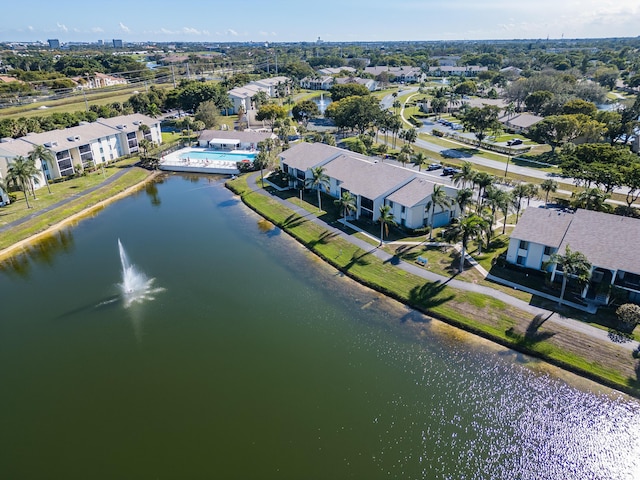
250, 358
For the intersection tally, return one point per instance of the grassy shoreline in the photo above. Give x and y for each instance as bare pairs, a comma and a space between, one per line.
607, 364
22, 235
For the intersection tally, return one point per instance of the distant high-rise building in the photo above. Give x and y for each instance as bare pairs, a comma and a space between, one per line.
118, 43
54, 43
101, 42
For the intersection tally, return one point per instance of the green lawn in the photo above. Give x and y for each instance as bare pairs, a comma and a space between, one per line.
477, 313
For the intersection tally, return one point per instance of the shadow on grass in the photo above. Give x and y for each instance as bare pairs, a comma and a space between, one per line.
359, 259
323, 239
533, 334
294, 220
429, 295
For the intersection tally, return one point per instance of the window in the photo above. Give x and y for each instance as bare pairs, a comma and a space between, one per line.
521, 260
548, 250
403, 209
524, 245
366, 203
390, 203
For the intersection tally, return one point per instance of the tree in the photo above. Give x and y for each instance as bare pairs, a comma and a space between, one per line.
420, 159
261, 161
629, 314
385, 219
438, 104
464, 175
572, 264
536, 101
305, 110
556, 130
532, 192
590, 199
403, 158
495, 198
479, 120
340, 91
208, 113
482, 180
318, 180
22, 171
346, 203
46, 157
145, 145
462, 230
548, 186
463, 198
354, 112
270, 113
439, 198
519, 192
410, 135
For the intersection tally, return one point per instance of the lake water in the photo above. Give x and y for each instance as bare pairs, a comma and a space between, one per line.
256, 360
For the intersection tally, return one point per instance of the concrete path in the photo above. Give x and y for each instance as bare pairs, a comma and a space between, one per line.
419, 271
45, 210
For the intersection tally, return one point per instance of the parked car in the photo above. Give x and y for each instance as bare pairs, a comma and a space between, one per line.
434, 166
447, 171
515, 141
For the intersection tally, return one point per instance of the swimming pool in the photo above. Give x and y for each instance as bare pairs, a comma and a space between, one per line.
215, 156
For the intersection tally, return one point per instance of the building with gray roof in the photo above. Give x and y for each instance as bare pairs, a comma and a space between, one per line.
372, 182
603, 238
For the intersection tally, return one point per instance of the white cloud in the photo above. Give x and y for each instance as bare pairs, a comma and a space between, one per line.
97, 30
62, 27
30, 28
124, 28
231, 32
191, 31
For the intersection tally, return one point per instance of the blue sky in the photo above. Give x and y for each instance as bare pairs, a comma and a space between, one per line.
332, 20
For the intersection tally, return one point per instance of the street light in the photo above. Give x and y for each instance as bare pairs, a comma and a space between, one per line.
507, 167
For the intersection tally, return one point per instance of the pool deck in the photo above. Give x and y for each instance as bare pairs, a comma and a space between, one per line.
173, 163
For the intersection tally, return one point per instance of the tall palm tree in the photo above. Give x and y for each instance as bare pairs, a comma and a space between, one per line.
590, 199
385, 219
318, 179
463, 198
494, 199
573, 264
517, 194
464, 229
439, 198
420, 159
482, 180
43, 154
403, 158
505, 208
465, 175
346, 203
548, 186
532, 192
22, 171
261, 161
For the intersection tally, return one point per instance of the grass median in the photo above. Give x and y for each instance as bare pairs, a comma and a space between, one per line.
487, 316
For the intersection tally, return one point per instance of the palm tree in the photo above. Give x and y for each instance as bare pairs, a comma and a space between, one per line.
572, 263
385, 219
403, 158
420, 159
464, 175
495, 198
261, 160
439, 198
43, 154
548, 186
318, 179
22, 171
482, 180
532, 192
463, 198
410, 136
505, 207
383, 149
590, 199
517, 194
464, 229
346, 203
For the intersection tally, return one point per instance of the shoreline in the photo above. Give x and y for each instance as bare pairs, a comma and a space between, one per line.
20, 247
511, 339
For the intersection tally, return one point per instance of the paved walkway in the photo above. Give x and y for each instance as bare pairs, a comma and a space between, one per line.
63, 202
419, 271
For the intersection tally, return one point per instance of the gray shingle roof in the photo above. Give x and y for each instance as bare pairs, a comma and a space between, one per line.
539, 225
244, 136
308, 155
413, 193
606, 240
363, 177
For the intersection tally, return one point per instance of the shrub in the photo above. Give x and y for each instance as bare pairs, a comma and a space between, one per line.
629, 314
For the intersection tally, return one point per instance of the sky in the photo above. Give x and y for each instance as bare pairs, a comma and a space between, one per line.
304, 21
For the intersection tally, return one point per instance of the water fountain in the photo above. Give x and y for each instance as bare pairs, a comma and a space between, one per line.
136, 287
322, 105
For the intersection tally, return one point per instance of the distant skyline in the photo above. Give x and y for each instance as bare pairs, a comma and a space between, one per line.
331, 20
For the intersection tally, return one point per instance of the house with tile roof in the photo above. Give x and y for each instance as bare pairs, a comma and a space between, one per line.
606, 240
372, 182
243, 96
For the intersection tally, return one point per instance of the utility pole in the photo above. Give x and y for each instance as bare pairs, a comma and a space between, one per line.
86, 104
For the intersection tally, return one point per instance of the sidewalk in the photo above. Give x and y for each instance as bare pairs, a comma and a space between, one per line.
419, 271
38, 213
